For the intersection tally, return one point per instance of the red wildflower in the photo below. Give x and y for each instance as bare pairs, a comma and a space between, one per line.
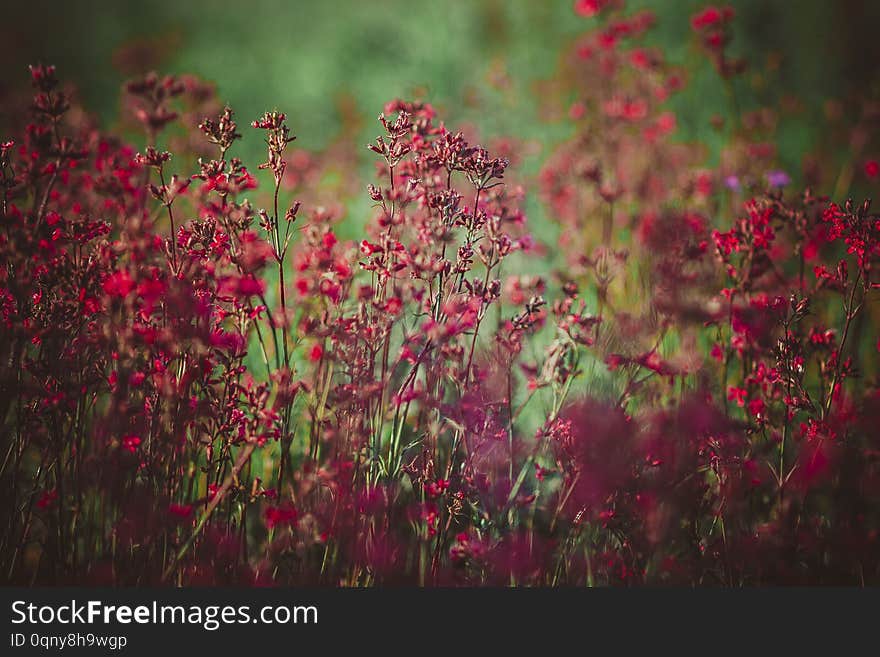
119, 284
131, 442
181, 511
47, 499
737, 394
316, 353
588, 8
277, 516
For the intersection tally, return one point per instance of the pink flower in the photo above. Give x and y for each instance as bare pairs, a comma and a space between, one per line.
756, 407
588, 8
710, 17
182, 511
119, 284
316, 353
368, 248
131, 442
737, 394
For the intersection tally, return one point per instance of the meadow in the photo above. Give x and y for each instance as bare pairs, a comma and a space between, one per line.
573, 294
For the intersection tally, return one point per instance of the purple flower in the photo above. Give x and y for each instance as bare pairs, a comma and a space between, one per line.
778, 178
732, 183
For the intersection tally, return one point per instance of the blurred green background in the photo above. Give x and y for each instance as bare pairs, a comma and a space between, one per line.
334, 62
303, 57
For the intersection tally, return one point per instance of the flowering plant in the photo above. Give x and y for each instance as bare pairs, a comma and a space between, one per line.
203, 383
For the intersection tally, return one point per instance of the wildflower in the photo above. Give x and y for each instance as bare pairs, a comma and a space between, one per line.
131, 442
181, 511
47, 499
119, 284
316, 353
778, 179
756, 407
369, 249
710, 16
279, 516
588, 8
737, 394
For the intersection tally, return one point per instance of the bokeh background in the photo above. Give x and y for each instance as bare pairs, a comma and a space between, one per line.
332, 65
